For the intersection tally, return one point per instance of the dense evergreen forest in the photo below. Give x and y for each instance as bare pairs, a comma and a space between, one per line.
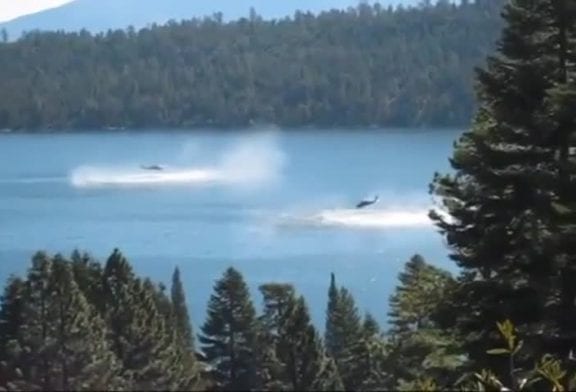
362, 67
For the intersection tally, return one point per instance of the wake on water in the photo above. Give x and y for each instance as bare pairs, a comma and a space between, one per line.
360, 219
253, 162
85, 177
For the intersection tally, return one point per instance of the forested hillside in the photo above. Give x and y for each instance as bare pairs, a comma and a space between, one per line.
367, 66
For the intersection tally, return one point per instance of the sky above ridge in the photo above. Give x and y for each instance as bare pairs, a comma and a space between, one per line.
11, 9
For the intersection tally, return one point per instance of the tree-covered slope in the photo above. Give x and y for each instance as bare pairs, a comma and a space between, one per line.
367, 66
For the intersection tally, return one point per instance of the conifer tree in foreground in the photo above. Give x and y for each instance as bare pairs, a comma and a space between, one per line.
11, 313
61, 341
229, 335
11, 308
88, 275
181, 318
147, 346
367, 366
299, 361
418, 346
343, 331
278, 301
183, 330
513, 181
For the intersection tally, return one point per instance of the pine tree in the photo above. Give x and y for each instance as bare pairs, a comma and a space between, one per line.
60, 343
187, 364
512, 169
81, 357
368, 359
148, 348
164, 304
88, 273
11, 320
303, 352
118, 303
278, 299
343, 331
418, 346
229, 335
183, 325
11, 309
31, 356
299, 361
422, 289
330, 334
156, 359
328, 378
370, 326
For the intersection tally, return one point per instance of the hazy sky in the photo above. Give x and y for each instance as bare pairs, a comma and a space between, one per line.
10, 9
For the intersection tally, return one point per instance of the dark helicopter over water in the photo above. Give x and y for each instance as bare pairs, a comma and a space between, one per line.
366, 203
152, 167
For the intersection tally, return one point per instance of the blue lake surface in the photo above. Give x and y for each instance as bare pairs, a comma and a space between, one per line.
278, 206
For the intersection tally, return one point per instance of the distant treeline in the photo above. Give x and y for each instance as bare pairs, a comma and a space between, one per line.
366, 66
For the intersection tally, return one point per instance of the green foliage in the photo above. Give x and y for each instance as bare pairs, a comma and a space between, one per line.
60, 341
71, 326
418, 346
52, 337
356, 346
299, 361
510, 222
229, 335
184, 339
343, 331
362, 67
422, 289
181, 318
366, 363
548, 373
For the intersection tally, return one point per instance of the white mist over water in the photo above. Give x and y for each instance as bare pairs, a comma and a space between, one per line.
360, 219
256, 160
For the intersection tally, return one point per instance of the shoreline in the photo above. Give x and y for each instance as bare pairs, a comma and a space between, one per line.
239, 129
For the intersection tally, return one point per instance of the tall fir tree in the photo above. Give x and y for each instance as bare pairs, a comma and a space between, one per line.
61, 343
88, 274
11, 320
81, 358
11, 307
300, 361
368, 359
184, 331
31, 354
148, 348
181, 318
330, 333
229, 335
277, 299
418, 346
422, 288
512, 173
343, 330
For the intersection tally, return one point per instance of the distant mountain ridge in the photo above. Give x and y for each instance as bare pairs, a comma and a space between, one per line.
101, 15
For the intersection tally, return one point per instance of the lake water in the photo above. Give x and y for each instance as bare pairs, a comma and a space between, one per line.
276, 205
